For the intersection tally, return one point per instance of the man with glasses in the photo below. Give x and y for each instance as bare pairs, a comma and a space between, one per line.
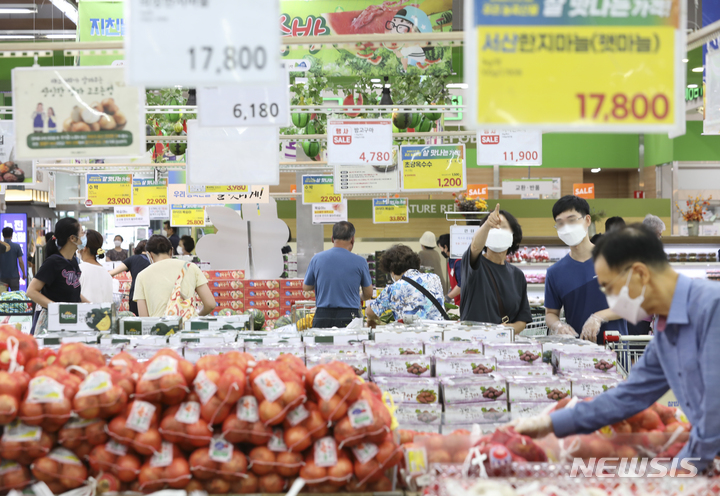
634, 272
572, 284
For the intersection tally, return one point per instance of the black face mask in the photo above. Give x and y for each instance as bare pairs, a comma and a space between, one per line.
444, 254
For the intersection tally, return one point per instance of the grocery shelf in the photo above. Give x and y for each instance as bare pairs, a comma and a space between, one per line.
536, 285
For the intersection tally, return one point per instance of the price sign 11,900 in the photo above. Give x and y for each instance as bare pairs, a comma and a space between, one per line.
210, 50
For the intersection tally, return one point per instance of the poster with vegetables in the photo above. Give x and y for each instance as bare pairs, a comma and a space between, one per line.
76, 112
368, 17
12, 171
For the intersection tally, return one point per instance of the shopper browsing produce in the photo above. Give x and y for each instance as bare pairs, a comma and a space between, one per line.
454, 268
571, 283
429, 257
336, 275
634, 273
171, 233
655, 224
614, 223
58, 279
10, 261
135, 264
155, 284
95, 283
493, 290
117, 254
403, 297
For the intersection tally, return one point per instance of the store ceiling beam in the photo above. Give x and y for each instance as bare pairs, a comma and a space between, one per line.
703, 35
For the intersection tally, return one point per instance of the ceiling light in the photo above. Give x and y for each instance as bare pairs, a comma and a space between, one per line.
18, 8
16, 37
66, 8
595, 171
697, 69
457, 85
692, 85
68, 36
685, 61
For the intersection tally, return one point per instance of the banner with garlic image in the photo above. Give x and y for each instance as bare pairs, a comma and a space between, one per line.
76, 112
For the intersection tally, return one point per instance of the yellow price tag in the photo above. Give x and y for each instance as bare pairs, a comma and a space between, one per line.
390, 211
433, 167
149, 192
319, 189
416, 460
108, 190
226, 189
187, 216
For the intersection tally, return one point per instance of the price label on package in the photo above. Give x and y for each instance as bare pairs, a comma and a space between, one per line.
182, 215
240, 106
390, 211
209, 41
319, 189
108, 189
147, 192
360, 142
432, 167
509, 147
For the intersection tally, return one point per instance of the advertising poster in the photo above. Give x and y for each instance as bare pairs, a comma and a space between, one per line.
132, 216
100, 21
12, 171
331, 17
329, 213
77, 112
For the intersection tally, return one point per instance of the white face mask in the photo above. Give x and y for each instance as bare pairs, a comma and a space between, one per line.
180, 250
499, 240
118, 243
164, 233
628, 308
572, 234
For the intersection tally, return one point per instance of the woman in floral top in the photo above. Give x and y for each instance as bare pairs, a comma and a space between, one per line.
401, 297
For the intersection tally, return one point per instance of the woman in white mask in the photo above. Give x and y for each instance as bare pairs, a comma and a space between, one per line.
117, 254
493, 290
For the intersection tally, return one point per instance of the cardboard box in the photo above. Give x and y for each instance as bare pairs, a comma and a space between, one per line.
230, 303
403, 337
297, 294
493, 334
215, 323
81, 317
229, 295
339, 336
401, 365
291, 283
262, 283
226, 285
468, 413
538, 389
410, 390
410, 413
262, 293
408, 348
58, 338
474, 389
140, 326
262, 304
464, 365
224, 274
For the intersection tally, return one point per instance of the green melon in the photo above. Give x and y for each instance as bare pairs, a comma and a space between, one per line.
402, 120
311, 148
300, 119
174, 117
149, 132
178, 147
282, 321
425, 126
415, 121
433, 116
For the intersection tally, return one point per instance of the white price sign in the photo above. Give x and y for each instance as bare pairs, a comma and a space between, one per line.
460, 239
207, 40
360, 142
240, 106
509, 147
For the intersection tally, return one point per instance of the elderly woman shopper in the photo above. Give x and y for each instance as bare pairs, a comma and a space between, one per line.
414, 295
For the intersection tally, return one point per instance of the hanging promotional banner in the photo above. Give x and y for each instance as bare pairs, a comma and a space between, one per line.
210, 51
527, 186
132, 216
105, 190
148, 192
12, 171
368, 178
100, 21
432, 167
329, 213
509, 147
218, 189
233, 106
626, 59
77, 112
319, 189
479, 191
584, 190
161, 212
177, 193
390, 210
187, 216
460, 239
359, 142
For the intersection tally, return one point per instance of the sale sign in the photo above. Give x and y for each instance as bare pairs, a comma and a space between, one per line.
360, 142
390, 210
432, 167
147, 192
584, 190
319, 189
187, 215
478, 191
498, 147
105, 190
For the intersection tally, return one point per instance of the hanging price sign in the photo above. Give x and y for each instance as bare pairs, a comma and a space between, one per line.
108, 190
184, 215
360, 142
509, 147
319, 189
147, 192
217, 189
432, 167
240, 106
390, 211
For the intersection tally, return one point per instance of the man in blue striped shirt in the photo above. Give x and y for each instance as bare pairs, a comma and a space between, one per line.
684, 354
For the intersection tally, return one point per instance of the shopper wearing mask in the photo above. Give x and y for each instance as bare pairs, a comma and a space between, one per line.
135, 264
429, 257
572, 284
171, 233
58, 279
634, 273
117, 254
96, 285
413, 294
454, 268
493, 290
186, 245
155, 284
336, 276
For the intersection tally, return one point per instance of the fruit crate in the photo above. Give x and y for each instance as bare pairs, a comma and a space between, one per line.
628, 349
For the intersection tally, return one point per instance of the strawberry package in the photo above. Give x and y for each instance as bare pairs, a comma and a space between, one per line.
182, 425
115, 458
168, 467
48, 401
13, 387
24, 443
13, 476
137, 427
103, 393
61, 470
81, 435
220, 383
278, 388
335, 386
219, 460
243, 424
326, 467
166, 379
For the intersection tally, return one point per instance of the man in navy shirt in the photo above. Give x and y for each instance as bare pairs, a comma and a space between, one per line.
336, 276
634, 273
572, 284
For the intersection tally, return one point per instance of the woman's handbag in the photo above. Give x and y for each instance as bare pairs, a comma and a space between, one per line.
179, 305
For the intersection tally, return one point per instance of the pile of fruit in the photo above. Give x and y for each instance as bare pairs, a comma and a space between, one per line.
226, 424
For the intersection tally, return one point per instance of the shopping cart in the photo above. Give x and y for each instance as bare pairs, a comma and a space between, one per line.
628, 349
537, 327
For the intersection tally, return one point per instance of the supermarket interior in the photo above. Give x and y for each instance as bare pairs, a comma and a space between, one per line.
410, 247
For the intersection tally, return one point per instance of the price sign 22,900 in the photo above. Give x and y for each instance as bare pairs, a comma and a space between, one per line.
319, 189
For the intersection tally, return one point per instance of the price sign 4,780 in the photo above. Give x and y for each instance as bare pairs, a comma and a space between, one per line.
619, 106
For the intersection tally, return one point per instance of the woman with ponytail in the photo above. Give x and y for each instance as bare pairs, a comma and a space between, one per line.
58, 279
95, 282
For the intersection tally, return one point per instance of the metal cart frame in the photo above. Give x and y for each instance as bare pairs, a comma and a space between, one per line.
628, 349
